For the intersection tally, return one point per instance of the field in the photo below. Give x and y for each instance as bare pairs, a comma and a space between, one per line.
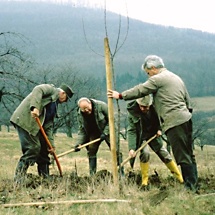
77, 193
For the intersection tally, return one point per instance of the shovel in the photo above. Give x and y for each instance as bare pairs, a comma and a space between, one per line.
80, 147
138, 150
49, 145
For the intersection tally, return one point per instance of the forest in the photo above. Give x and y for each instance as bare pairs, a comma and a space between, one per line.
47, 43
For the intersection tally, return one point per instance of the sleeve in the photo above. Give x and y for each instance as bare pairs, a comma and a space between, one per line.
132, 134
38, 93
105, 112
141, 90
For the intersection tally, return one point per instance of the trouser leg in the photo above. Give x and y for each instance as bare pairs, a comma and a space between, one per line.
92, 165
189, 175
92, 156
43, 160
20, 172
180, 138
43, 170
30, 148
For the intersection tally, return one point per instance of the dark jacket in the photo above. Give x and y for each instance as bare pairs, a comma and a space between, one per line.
100, 110
141, 126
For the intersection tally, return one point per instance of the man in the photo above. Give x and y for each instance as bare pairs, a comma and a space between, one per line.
93, 124
143, 123
172, 104
42, 102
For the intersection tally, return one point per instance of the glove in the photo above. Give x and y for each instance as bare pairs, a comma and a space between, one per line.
103, 137
76, 148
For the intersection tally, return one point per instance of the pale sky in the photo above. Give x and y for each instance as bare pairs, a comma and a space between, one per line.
195, 14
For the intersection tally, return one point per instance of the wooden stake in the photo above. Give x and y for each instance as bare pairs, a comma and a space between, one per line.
109, 78
67, 202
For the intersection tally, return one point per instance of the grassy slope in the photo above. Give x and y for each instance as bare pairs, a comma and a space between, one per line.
168, 197
204, 103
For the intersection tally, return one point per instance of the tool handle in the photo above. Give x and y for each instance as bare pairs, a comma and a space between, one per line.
49, 145
138, 150
80, 147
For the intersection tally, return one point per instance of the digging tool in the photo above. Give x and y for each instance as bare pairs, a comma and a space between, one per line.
138, 150
80, 147
49, 145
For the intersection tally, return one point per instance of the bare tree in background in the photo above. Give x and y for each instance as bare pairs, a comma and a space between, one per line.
18, 77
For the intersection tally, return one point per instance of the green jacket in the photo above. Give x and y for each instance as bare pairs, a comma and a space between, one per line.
142, 127
40, 96
101, 117
171, 99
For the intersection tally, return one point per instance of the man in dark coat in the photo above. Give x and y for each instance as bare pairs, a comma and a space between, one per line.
93, 124
143, 123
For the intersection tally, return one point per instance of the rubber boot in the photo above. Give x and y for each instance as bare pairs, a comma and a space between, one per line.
175, 171
145, 173
43, 170
20, 172
92, 165
189, 172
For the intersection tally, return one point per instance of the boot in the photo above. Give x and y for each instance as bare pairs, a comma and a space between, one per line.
145, 173
175, 171
20, 172
189, 172
132, 161
43, 170
92, 165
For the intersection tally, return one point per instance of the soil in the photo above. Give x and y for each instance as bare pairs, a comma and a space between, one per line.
77, 184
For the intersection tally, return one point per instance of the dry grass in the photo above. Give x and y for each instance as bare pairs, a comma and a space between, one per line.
166, 197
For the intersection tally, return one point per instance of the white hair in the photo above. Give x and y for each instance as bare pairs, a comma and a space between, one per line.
83, 99
153, 60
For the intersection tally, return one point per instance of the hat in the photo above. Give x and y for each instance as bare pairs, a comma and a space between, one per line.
145, 101
67, 90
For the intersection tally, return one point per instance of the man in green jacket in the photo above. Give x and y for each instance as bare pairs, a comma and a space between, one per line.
143, 123
42, 102
93, 124
172, 104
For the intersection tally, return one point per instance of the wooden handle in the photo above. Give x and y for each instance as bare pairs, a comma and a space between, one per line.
49, 145
80, 147
138, 150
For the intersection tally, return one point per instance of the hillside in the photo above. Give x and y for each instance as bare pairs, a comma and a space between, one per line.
56, 37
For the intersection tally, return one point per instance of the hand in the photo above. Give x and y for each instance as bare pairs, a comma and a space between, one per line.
159, 133
51, 151
103, 137
76, 148
35, 113
132, 153
113, 94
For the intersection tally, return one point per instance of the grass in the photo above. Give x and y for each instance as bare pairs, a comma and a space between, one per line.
166, 196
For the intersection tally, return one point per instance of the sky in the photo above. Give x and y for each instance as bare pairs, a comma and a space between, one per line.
194, 14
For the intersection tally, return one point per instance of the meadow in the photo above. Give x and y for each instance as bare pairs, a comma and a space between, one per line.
78, 193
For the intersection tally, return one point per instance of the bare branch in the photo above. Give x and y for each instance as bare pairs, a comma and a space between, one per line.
88, 42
